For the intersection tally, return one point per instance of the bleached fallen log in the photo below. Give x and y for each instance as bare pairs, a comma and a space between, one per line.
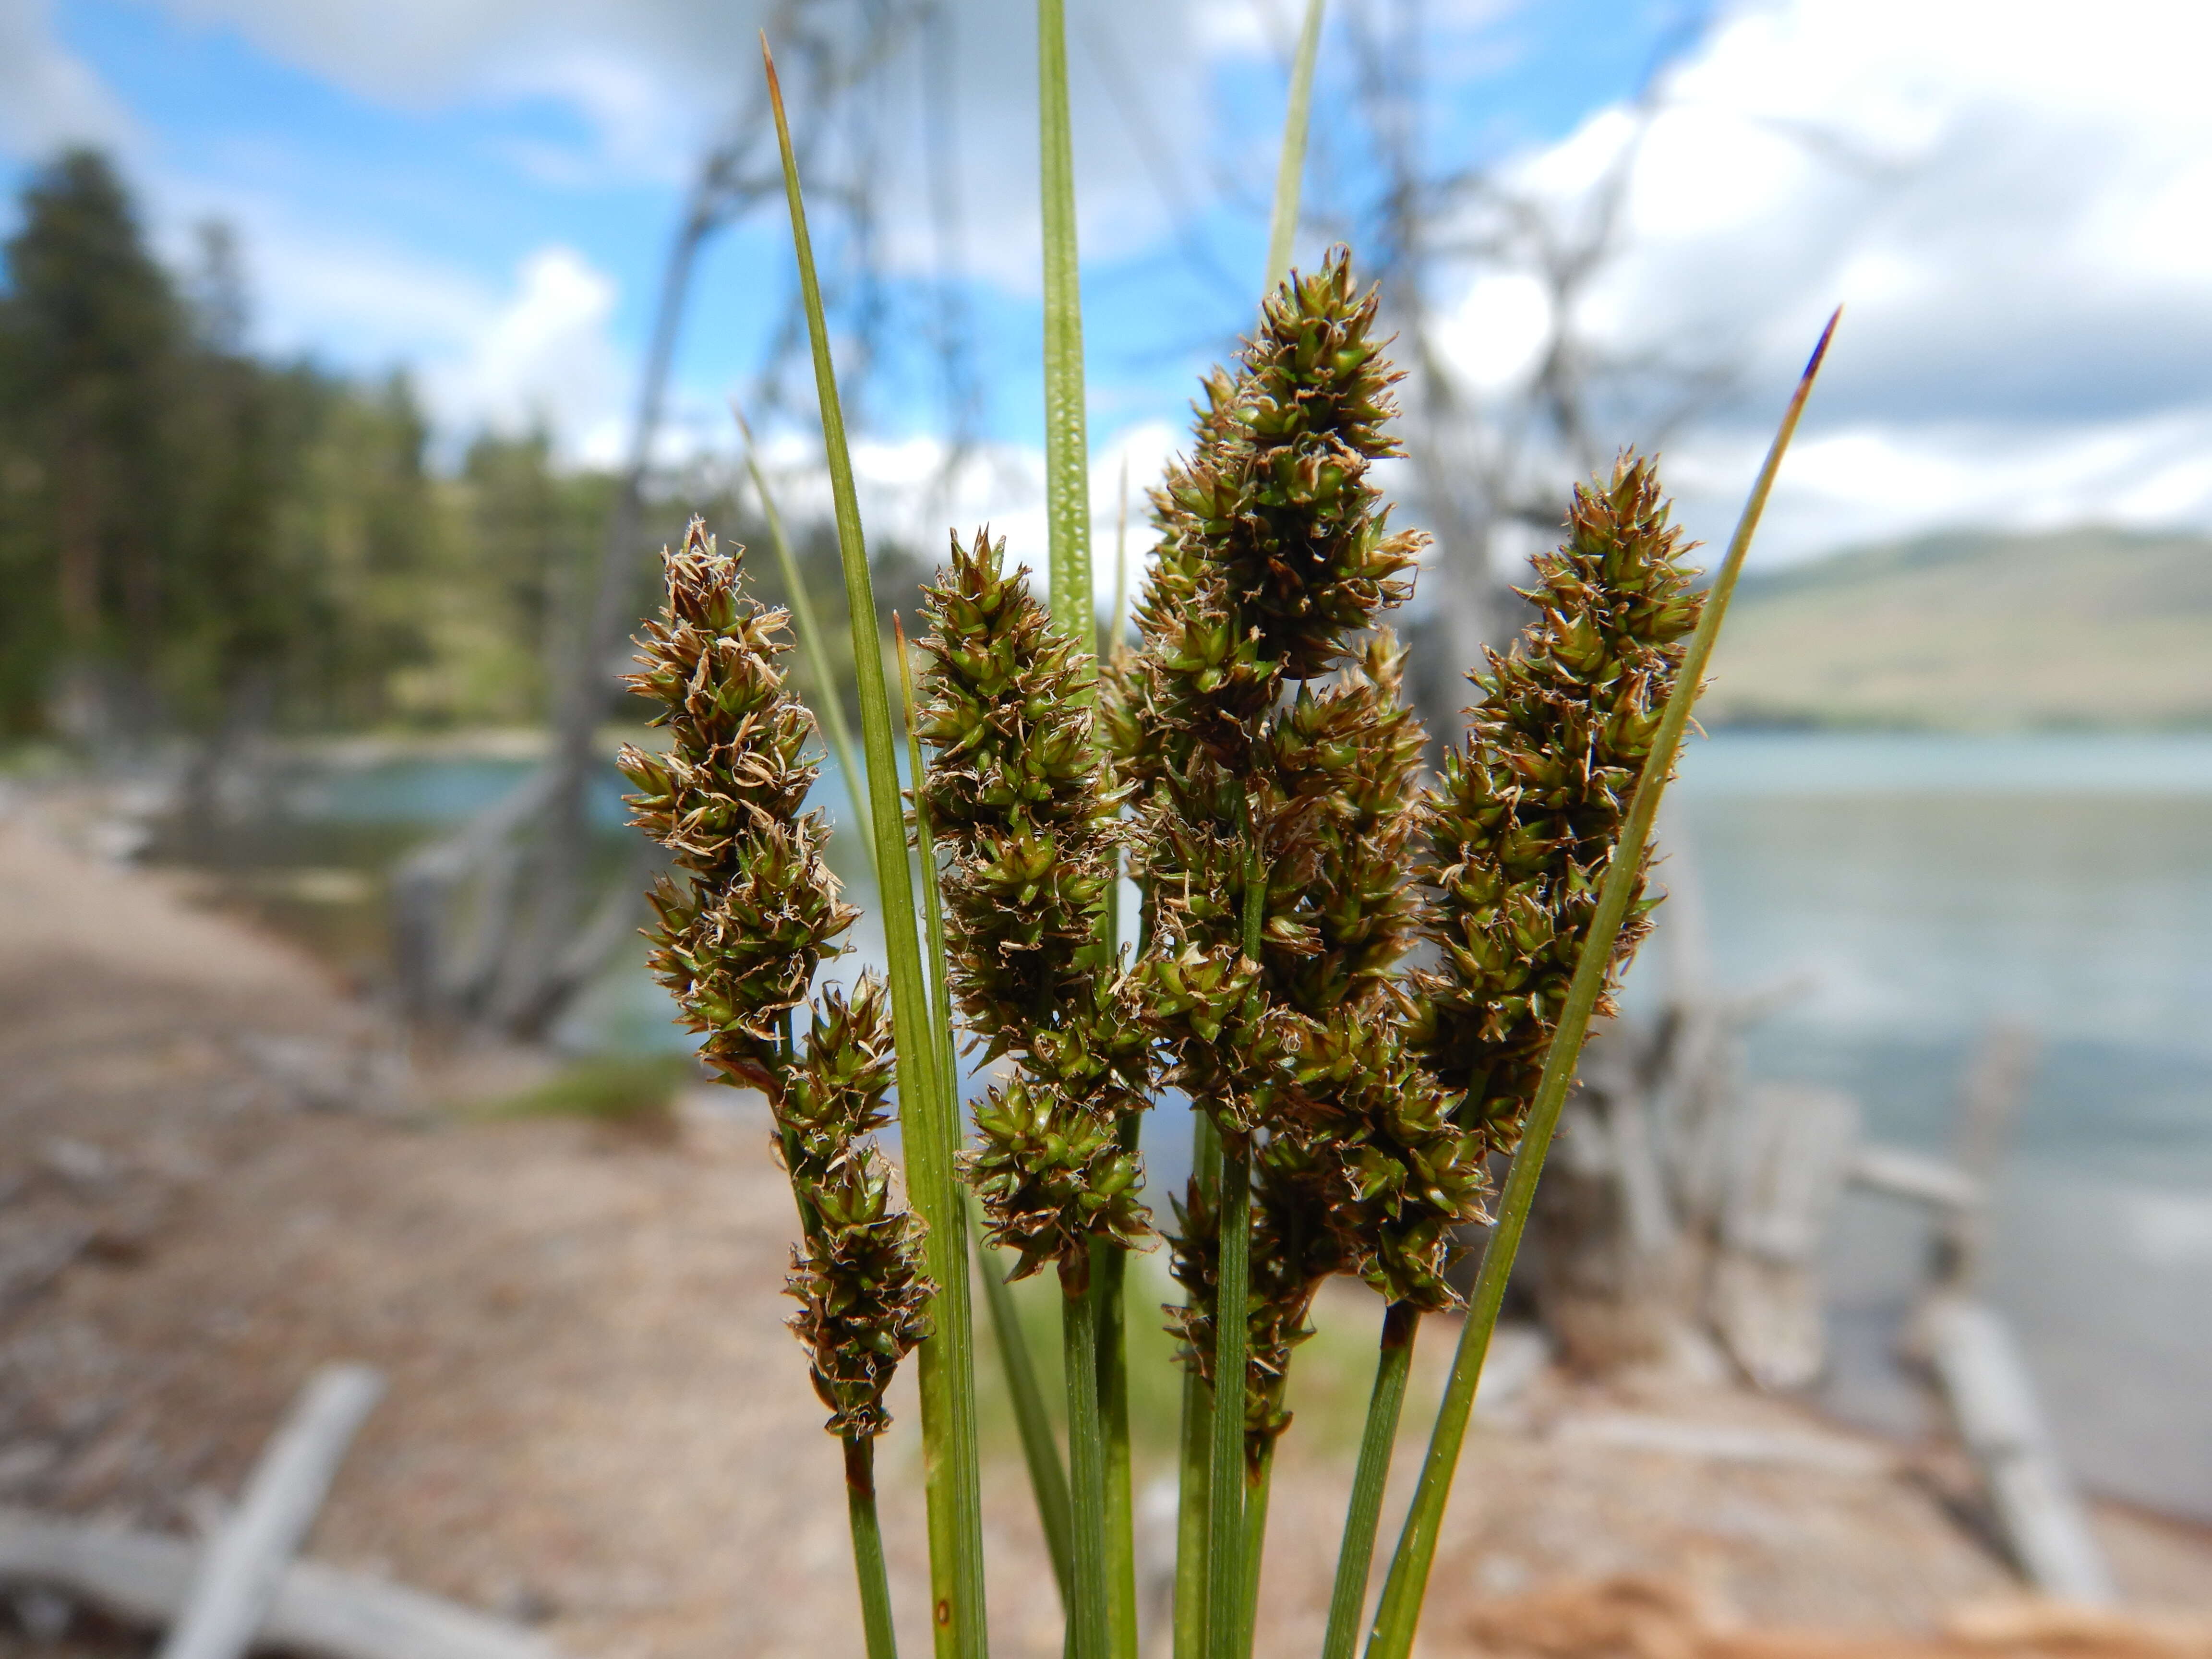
1898, 1172
1993, 1398
237, 1578
141, 1579
1723, 1442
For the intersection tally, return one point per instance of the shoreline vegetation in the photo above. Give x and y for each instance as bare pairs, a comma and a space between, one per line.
1952, 633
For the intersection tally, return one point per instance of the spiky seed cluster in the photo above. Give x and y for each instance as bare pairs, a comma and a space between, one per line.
1530, 810
1274, 556
1275, 546
1364, 1147
1017, 797
737, 942
857, 1275
1362, 1169
1274, 552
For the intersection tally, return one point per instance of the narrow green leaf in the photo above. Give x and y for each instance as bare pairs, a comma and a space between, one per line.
932, 906
1355, 1555
812, 640
1067, 449
1258, 1486
1032, 1421
1109, 1268
1040, 1451
1402, 1593
1068, 509
1289, 171
952, 1477
1225, 1530
1228, 1540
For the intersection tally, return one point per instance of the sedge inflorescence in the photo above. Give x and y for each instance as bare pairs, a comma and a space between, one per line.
737, 941
1019, 799
1276, 815
1530, 805
1289, 855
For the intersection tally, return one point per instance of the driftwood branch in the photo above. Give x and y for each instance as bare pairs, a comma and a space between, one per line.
238, 1576
1899, 1172
319, 1613
1993, 1399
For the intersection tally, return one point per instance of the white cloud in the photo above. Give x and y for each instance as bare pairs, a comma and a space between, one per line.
543, 356
655, 82
2014, 201
1874, 481
538, 351
48, 95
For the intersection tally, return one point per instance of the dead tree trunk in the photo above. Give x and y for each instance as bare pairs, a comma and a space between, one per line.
502, 923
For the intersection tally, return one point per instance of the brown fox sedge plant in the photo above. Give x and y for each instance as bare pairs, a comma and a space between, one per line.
1253, 766
737, 942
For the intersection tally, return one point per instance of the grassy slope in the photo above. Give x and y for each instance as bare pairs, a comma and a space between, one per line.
2076, 627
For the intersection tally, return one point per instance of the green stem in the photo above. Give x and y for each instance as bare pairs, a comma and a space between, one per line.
810, 1219
1194, 1468
1040, 1451
1225, 1532
1355, 1556
950, 1471
1040, 1447
1086, 1465
1109, 1267
1283, 227
1402, 1593
932, 906
1225, 1577
868, 1546
811, 641
1067, 449
1259, 1484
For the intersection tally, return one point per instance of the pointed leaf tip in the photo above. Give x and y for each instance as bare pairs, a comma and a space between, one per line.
1820, 351
774, 82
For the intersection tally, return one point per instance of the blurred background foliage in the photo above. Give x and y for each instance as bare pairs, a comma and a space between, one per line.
198, 542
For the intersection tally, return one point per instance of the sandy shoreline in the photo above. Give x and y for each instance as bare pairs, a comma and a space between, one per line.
219, 1172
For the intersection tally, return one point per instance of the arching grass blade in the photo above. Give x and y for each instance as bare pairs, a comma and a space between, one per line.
829, 705
1289, 171
952, 1474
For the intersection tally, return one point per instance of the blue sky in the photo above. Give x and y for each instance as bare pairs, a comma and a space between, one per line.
2014, 200
472, 180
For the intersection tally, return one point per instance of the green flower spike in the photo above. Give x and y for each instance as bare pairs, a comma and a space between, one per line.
1019, 800
1529, 807
1275, 560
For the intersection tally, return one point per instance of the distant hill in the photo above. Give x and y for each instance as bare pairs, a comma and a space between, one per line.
1967, 630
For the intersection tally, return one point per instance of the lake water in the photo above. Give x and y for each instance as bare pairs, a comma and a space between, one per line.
1911, 891
1919, 889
